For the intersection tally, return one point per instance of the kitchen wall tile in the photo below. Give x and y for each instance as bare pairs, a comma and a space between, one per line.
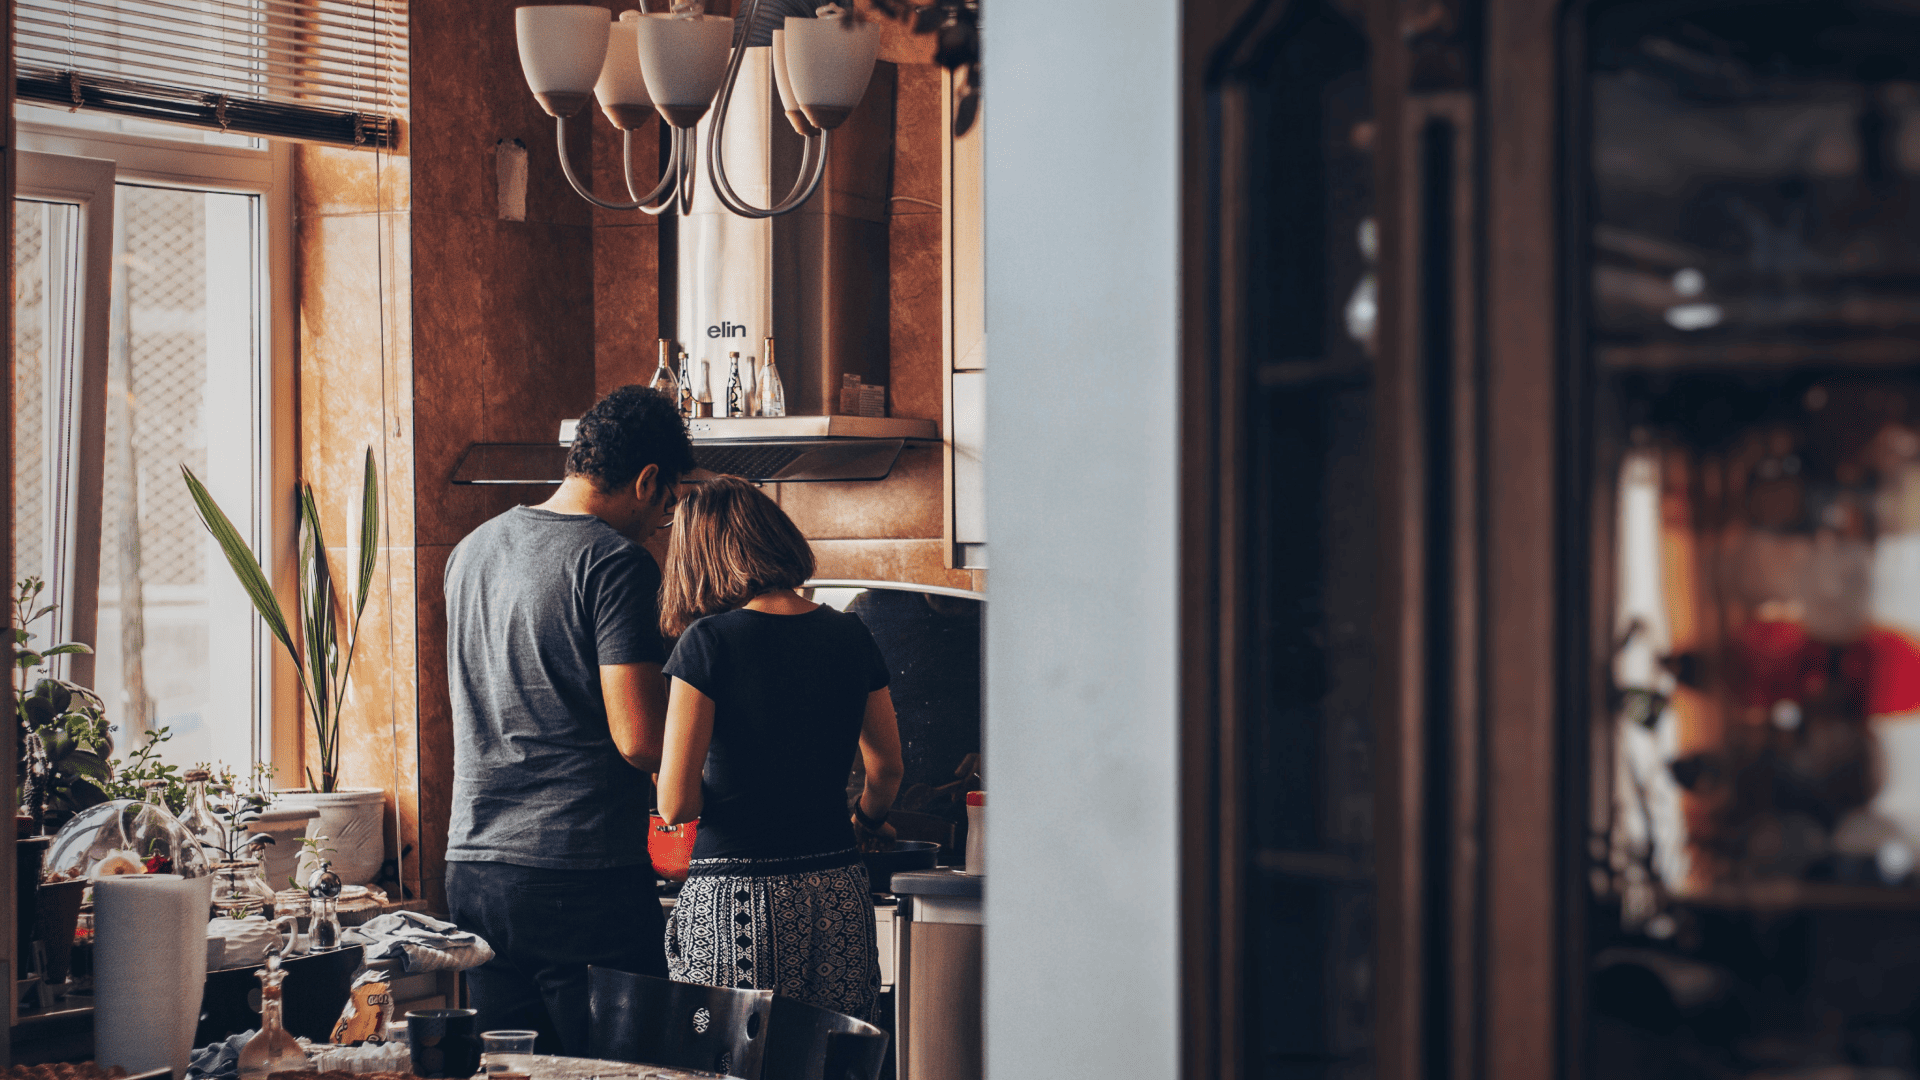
503, 352
920, 561
435, 724
626, 305
899, 44
918, 137
609, 179
467, 95
917, 320
906, 505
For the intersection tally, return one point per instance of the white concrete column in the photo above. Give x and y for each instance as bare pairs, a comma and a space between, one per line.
1082, 204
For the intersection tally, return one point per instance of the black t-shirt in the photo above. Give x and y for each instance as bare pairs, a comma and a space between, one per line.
789, 697
537, 602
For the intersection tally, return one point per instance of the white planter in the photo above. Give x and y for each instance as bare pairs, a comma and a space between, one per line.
288, 826
350, 820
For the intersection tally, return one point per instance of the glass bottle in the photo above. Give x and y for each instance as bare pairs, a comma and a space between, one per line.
199, 820
703, 398
159, 841
686, 386
664, 379
773, 396
734, 404
273, 1048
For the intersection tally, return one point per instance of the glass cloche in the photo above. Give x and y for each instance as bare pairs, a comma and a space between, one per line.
126, 837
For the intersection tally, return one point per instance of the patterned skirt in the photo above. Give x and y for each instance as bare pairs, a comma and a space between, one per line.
802, 928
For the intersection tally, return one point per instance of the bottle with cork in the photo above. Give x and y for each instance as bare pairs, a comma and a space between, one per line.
773, 396
733, 403
663, 378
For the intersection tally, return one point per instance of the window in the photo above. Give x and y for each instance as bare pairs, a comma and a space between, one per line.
183, 372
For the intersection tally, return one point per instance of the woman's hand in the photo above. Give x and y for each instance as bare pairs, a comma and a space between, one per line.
879, 839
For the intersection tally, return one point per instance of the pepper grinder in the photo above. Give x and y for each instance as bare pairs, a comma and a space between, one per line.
323, 888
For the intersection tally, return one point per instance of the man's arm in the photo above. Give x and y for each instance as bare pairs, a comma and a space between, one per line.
636, 696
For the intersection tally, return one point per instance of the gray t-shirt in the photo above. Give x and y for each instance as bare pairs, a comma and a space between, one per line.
536, 603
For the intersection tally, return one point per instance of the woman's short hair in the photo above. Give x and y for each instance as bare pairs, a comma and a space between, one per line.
729, 544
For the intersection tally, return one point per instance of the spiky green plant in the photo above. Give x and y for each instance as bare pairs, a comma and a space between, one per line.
324, 669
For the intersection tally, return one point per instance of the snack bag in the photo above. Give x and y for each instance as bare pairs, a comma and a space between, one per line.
368, 1012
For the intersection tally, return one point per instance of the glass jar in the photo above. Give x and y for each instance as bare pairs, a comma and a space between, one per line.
240, 889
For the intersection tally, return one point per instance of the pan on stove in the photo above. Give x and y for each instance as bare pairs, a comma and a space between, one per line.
902, 855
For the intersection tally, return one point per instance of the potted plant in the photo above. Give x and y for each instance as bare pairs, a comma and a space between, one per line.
351, 816
64, 739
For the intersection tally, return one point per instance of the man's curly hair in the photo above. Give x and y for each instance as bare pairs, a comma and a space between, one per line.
628, 430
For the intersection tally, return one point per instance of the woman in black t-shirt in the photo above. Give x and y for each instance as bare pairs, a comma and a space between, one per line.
771, 693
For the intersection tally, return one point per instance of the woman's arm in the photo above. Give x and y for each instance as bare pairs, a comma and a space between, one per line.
684, 757
880, 753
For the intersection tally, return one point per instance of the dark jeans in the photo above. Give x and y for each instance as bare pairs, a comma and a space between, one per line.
545, 927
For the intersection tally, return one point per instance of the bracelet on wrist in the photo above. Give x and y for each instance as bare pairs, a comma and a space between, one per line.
870, 824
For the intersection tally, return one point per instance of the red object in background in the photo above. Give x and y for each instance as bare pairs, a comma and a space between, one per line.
976, 798
670, 846
1893, 671
1781, 662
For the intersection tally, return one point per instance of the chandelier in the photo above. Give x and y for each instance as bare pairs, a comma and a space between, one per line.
682, 64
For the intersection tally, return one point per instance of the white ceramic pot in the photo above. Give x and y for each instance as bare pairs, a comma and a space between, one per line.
350, 819
288, 826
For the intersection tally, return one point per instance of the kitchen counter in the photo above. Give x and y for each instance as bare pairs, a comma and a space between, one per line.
937, 975
943, 881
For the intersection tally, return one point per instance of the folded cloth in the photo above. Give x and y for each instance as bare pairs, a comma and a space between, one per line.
218, 1061
419, 942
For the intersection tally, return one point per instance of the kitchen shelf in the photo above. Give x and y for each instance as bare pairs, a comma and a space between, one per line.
1790, 896
1876, 352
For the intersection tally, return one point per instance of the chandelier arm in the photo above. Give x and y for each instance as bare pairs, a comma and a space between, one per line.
668, 174
566, 166
687, 170
675, 171
716, 134
804, 185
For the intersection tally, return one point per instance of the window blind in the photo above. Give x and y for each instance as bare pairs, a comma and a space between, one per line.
322, 70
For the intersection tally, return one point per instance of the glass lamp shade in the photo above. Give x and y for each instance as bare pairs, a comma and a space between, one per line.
684, 59
780, 80
622, 89
562, 50
829, 62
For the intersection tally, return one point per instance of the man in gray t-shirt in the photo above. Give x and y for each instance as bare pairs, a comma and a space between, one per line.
553, 666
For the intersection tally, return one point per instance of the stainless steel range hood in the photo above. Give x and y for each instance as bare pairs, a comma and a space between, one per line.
784, 449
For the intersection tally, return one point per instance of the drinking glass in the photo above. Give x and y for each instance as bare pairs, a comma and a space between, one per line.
506, 1051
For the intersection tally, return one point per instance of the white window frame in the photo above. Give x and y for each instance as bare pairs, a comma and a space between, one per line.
74, 460
266, 171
